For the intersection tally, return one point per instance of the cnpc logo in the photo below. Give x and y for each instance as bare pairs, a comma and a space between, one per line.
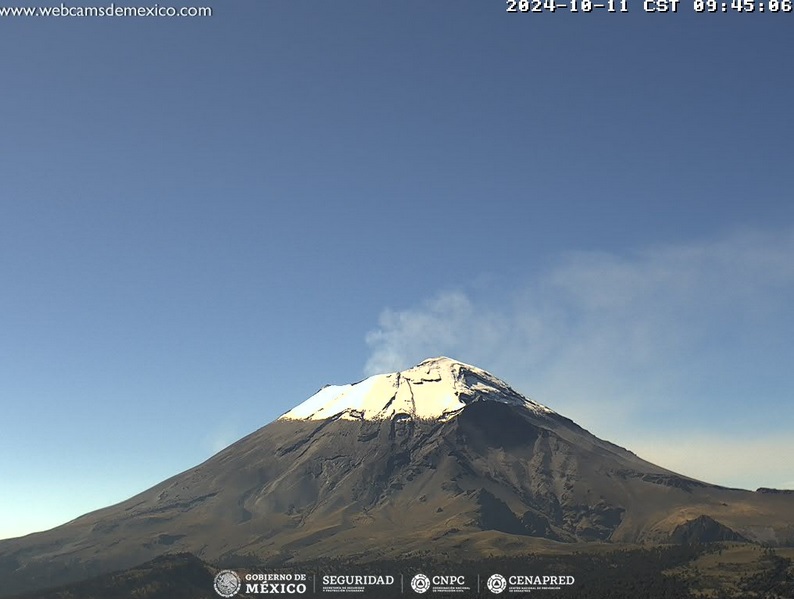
421, 583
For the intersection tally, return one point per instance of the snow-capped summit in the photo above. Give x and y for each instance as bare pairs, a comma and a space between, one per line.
435, 389
442, 455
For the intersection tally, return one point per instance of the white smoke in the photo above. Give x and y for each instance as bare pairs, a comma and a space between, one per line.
674, 335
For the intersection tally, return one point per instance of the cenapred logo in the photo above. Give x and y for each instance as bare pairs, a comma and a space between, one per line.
496, 583
227, 583
420, 583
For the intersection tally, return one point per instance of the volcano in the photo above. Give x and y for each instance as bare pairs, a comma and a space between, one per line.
443, 454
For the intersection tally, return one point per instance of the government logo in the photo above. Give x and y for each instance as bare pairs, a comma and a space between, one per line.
227, 583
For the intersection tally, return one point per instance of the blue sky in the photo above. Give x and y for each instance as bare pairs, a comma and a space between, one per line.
203, 221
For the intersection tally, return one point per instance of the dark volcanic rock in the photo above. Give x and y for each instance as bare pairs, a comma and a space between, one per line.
443, 455
764, 490
495, 514
704, 530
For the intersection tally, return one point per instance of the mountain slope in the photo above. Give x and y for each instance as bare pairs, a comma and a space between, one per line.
167, 576
443, 452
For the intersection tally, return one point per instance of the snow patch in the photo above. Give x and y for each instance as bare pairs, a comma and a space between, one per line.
435, 389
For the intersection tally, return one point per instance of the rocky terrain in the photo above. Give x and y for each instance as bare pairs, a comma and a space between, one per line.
443, 454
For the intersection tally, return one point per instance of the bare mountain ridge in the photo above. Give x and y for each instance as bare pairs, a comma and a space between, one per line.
443, 452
